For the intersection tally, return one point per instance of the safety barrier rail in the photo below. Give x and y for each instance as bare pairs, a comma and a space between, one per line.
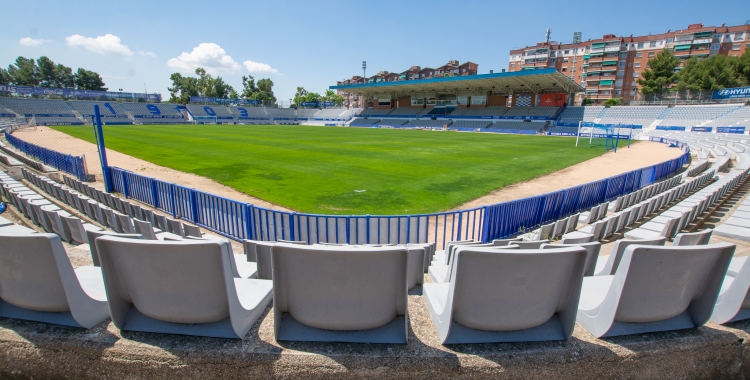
70, 164
240, 220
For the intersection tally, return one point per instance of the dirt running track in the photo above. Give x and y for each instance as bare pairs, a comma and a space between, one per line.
639, 155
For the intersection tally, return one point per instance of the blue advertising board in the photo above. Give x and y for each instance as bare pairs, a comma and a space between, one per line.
731, 93
208, 99
701, 129
738, 130
561, 133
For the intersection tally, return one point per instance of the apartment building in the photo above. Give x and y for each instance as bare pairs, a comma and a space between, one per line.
450, 69
609, 66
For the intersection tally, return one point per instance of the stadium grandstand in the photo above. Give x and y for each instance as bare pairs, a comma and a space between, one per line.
218, 114
573, 115
250, 115
466, 103
42, 112
79, 112
110, 112
155, 113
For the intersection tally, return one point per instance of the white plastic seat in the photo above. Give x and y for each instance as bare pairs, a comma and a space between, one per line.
317, 297
607, 265
667, 230
93, 235
542, 285
733, 303
77, 229
592, 253
39, 284
148, 292
693, 238
655, 289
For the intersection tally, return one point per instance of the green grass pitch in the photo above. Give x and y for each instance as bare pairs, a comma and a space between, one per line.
343, 171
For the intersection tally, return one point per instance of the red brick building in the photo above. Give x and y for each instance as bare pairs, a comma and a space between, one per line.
609, 66
450, 69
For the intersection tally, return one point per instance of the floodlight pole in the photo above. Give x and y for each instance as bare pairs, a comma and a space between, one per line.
576, 41
579, 132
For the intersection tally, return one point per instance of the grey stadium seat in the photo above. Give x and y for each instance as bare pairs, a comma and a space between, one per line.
733, 303
542, 285
655, 289
607, 265
148, 292
340, 294
39, 284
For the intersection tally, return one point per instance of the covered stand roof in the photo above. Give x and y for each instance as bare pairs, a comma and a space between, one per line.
537, 81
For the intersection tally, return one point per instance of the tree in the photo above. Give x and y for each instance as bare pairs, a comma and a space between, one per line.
248, 87
234, 95
182, 88
65, 76
23, 72
587, 102
46, 72
741, 67
4, 76
661, 74
299, 96
614, 102
710, 74
205, 85
332, 96
51, 75
210, 86
265, 91
89, 80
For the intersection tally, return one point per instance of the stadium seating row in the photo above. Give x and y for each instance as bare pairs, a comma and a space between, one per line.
481, 112
450, 123
127, 284
685, 117
54, 112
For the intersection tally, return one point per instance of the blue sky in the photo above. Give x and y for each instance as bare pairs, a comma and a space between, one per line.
137, 44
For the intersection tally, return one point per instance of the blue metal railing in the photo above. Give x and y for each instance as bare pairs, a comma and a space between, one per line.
73, 165
240, 220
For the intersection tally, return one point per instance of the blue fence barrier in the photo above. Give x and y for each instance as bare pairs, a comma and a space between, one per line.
240, 220
73, 165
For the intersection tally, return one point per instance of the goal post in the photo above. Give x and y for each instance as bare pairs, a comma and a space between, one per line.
607, 136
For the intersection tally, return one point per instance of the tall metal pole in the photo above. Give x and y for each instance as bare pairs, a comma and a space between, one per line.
102, 150
576, 41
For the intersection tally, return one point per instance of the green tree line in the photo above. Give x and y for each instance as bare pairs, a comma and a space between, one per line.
707, 74
303, 96
183, 87
43, 72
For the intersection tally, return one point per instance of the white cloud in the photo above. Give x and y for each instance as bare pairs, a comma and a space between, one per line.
108, 43
258, 67
209, 56
28, 41
147, 54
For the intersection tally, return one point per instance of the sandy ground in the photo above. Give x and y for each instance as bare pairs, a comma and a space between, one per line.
637, 156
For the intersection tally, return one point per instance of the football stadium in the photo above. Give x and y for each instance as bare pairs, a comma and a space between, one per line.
551, 219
